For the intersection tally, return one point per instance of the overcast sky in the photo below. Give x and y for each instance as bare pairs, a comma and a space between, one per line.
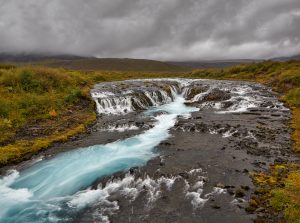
155, 29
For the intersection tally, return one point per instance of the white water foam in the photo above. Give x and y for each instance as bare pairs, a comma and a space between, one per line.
128, 187
194, 193
102, 94
10, 196
120, 128
229, 133
216, 191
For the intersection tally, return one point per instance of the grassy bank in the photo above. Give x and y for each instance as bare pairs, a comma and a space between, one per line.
279, 188
39, 106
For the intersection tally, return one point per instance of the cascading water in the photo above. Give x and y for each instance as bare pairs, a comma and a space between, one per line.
222, 96
140, 98
48, 190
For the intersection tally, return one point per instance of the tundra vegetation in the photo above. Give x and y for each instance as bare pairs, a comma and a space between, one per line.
40, 106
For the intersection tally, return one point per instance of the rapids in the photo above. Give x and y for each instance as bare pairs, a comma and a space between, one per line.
54, 190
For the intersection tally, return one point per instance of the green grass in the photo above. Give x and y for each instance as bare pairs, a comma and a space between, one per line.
39, 98
287, 199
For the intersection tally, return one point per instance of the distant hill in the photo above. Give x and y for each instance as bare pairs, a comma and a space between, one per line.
75, 62
29, 58
212, 63
115, 64
91, 63
295, 57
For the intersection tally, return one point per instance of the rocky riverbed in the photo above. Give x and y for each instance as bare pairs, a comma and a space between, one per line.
201, 173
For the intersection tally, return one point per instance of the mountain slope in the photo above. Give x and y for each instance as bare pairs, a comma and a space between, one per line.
295, 57
114, 64
74, 62
211, 63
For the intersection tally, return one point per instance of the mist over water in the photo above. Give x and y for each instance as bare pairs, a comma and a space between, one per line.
54, 190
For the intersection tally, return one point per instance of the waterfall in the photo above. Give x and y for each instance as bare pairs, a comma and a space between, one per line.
128, 101
139, 95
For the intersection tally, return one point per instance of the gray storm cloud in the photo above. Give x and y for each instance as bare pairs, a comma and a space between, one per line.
155, 29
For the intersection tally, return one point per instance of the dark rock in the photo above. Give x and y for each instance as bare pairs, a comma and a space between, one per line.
245, 171
215, 206
193, 129
184, 175
229, 186
227, 104
253, 203
267, 104
165, 143
261, 209
236, 134
220, 185
280, 160
198, 117
240, 193
194, 91
131, 171
250, 209
230, 191
165, 197
217, 95
139, 124
246, 188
